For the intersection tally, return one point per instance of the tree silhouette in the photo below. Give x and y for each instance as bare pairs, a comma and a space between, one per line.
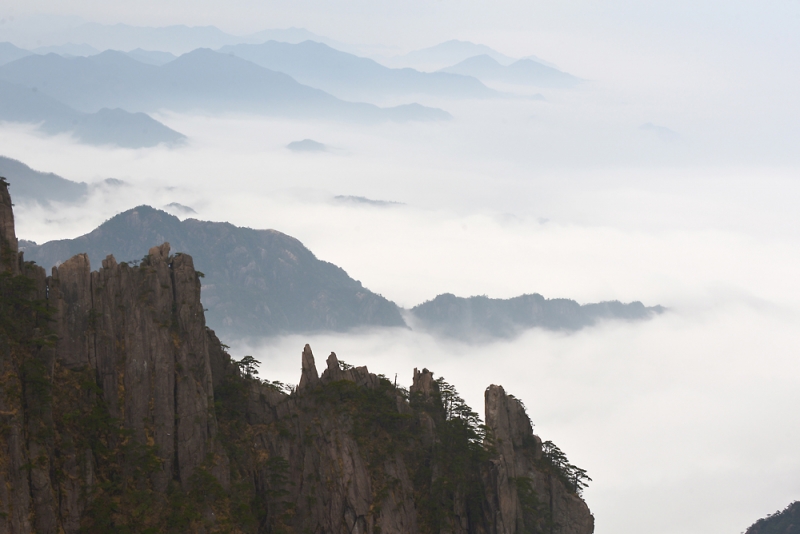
554, 460
248, 366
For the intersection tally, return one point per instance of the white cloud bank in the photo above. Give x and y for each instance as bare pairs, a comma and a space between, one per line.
687, 423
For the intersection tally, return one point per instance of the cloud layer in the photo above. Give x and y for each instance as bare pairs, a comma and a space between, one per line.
687, 423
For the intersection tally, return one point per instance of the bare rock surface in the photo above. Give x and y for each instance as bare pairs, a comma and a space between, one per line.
121, 411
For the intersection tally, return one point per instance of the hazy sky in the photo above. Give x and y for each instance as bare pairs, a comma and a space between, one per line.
688, 423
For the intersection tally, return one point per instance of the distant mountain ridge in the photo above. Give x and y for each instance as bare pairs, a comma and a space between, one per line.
9, 53
352, 77
102, 127
199, 80
257, 282
67, 50
29, 185
263, 282
445, 54
481, 318
151, 57
522, 72
176, 39
786, 521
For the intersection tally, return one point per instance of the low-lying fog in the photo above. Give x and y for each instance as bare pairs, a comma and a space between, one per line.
687, 423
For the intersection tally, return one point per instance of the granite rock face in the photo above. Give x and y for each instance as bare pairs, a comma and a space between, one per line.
519, 457
8, 238
360, 455
121, 411
138, 335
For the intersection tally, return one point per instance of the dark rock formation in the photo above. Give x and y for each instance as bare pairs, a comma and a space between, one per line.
786, 521
121, 412
9, 246
482, 318
123, 358
517, 480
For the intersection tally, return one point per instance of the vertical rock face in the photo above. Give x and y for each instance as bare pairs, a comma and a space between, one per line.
8, 238
141, 331
24, 485
120, 387
120, 410
517, 474
309, 376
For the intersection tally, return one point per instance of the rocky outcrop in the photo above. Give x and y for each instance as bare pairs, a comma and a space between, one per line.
8, 239
121, 411
360, 455
141, 331
122, 368
526, 491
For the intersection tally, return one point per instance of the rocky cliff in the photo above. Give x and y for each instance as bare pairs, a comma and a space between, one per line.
121, 412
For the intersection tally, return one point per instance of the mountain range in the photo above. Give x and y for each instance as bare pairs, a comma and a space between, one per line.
444, 55
522, 72
67, 50
42, 187
9, 53
264, 282
176, 39
104, 126
151, 57
482, 318
201, 80
351, 77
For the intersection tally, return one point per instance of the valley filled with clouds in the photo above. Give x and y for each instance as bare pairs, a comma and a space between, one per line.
673, 182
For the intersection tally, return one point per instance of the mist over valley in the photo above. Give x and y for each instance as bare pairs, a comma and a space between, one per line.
583, 206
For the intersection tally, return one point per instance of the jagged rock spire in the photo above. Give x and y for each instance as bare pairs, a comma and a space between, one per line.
422, 383
9, 248
309, 376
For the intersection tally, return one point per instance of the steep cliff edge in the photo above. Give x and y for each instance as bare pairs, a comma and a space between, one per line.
107, 388
121, 412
